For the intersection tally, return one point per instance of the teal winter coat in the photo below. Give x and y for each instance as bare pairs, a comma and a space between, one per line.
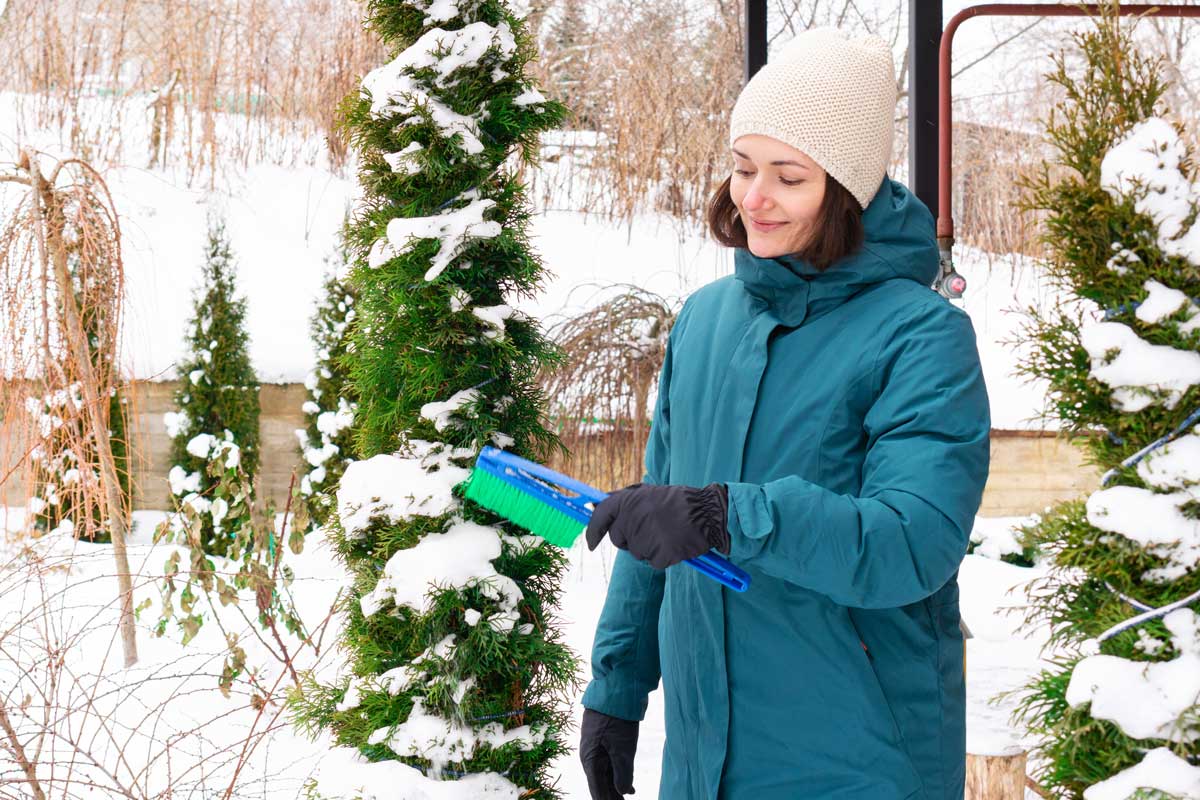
847, 414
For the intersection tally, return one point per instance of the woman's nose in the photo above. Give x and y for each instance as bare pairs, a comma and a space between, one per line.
755, 198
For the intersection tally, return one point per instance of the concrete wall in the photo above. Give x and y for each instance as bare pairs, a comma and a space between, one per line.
151, 447
281, 415
1029, 470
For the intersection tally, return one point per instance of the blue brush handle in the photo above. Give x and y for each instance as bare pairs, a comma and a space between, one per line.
547, 485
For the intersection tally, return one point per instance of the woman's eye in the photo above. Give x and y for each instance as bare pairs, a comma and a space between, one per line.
745, 173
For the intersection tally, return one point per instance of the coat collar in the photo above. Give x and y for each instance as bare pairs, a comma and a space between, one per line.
899, 242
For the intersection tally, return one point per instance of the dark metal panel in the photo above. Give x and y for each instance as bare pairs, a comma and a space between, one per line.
756, 37
924, 40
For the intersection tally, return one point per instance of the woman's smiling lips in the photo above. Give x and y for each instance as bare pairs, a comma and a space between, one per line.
765, 227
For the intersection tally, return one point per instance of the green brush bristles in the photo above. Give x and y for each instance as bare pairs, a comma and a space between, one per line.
521, 509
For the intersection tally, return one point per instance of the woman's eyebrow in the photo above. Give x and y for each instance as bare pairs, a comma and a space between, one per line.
773, 163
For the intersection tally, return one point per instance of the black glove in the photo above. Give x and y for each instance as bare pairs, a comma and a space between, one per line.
606, 748
663, 524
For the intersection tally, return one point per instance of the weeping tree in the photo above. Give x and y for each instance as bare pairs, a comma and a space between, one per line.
61, 290
454, 664
1117, 711
65, 461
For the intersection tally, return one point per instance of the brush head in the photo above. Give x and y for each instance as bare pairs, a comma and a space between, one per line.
521, 509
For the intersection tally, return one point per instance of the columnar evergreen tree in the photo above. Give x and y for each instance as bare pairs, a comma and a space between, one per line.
326, 441
457, 669
1117, 712
217, 399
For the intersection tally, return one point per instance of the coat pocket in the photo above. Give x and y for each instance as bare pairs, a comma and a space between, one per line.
864, 663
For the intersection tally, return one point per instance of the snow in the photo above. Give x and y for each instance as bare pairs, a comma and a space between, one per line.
1003, 652
176, 423
1175, 464
1155, 521
371, 489
1123, 260
1160, 769
404, 161
1145, 165
200, 444
493, 317
458, 558
432, 737
1161, 302
343, 772
1139, 373
455, 228
996, 537
441, 414
183, 482
440, 10
394, 91
332, 423
1146, 700
529, 97
446, 52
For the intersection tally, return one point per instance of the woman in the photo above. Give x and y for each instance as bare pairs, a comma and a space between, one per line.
833, 409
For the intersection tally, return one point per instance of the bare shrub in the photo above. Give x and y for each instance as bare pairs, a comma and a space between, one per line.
73, 724
601, 398
224, 82
652, 84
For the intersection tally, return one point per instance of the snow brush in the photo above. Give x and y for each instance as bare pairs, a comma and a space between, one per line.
557, 507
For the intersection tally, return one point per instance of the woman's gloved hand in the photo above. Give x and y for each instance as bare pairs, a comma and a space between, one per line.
663, 524
606, 748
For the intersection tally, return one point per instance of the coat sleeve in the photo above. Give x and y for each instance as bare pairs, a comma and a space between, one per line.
625, 666
905, 534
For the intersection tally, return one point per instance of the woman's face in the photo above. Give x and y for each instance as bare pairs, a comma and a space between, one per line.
777, 190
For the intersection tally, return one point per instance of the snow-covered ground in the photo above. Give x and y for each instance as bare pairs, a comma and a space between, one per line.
165, 714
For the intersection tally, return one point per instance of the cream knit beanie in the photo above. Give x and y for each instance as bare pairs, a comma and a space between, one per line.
832, 97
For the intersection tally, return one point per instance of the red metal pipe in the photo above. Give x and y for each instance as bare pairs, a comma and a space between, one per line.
945, 222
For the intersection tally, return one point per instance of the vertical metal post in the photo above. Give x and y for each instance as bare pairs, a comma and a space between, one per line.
924, 41
756, 37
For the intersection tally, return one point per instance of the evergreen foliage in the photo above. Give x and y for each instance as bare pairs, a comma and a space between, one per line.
440, 365
326, 441
1103, 254
217, 399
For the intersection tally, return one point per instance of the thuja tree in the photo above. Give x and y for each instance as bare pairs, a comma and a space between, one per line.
326, 440
456, 669
1116, 712
217, 400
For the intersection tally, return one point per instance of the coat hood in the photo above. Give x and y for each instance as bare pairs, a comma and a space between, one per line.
899, 242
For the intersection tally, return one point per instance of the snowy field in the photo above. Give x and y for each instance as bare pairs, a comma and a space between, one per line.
165, 714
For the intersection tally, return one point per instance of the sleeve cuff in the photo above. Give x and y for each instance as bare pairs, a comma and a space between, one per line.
749, 520
622, 705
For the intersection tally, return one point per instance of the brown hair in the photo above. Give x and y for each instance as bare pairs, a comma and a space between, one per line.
838, 225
